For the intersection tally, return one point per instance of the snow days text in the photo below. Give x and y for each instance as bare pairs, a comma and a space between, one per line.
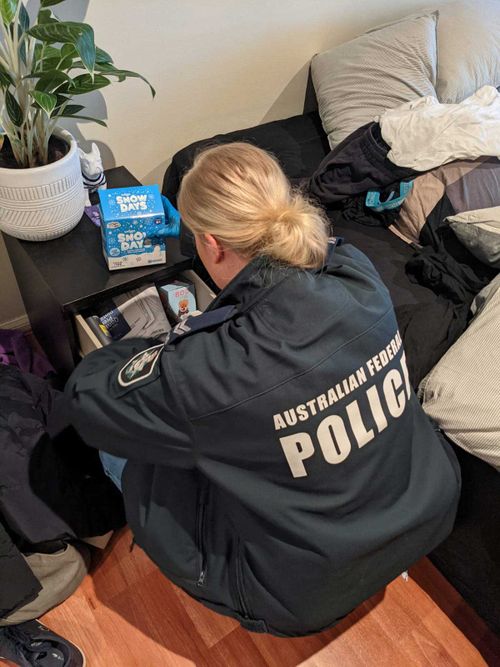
131, 240
132, 203
348, 424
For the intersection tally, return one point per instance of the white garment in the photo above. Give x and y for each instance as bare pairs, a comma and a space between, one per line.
424, 134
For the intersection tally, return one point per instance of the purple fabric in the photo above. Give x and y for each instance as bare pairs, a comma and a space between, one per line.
94, 215
16, 351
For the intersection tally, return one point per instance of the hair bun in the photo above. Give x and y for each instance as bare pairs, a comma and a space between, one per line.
298, 234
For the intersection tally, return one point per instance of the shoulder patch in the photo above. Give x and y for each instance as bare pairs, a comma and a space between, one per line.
140, 367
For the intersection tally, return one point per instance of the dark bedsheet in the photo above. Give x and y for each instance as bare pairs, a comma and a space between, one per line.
429, 325
298, 142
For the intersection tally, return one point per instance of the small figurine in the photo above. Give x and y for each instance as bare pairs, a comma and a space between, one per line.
183, 309
92, 170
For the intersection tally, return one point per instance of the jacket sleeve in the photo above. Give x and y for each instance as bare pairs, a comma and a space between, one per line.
129, 410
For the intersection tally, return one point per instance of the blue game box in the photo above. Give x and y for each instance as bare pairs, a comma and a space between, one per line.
130, 220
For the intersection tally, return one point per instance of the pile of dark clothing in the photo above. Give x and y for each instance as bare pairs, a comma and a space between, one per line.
359, 168
53, 494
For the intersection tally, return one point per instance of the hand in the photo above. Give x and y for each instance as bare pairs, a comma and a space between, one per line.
172, 217
172, 227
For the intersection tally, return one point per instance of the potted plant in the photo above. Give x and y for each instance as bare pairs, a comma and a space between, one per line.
43, 67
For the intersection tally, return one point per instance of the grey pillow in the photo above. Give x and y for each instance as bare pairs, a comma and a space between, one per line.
462, 392
479, 231
390, 65
468, 39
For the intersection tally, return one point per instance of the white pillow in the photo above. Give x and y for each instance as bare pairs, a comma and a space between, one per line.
479, 232
390, 65
462, 392
468, 39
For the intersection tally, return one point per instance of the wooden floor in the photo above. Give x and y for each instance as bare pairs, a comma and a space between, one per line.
126, 614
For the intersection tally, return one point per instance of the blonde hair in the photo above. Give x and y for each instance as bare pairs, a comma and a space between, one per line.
239, 194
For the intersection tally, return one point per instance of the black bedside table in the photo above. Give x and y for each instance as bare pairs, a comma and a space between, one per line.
60, 278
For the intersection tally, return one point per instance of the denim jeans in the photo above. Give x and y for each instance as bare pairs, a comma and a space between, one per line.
113, 467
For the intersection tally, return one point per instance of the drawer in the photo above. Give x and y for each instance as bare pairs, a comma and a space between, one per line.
88, 341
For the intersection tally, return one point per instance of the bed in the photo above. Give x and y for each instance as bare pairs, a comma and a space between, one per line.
434, 321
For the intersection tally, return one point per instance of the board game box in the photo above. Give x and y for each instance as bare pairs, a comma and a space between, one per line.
130, 219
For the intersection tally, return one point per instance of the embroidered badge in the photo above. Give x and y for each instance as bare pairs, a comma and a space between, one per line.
139, 367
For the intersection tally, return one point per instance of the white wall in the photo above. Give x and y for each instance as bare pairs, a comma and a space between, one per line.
217, 65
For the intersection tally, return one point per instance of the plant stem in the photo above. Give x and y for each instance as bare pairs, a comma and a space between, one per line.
15, 31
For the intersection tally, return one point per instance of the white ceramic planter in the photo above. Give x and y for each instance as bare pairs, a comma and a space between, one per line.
43, 203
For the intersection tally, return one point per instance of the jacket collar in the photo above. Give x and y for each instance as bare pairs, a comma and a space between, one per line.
252, 283
262, 274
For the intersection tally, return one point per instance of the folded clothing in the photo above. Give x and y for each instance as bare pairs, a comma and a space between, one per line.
135, 314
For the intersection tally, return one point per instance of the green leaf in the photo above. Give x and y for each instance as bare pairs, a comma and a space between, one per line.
71, 109
51, 52
48, 64
65, 64
61, 99
5, 78
45, 57
46, 16
77, 64
95, 120
49, 81
22, 53
24, 19
102, 56
80, 35
8, 10
85, 46
37, 53
56, 63
13, 109
122, 74
55, 32
86, 83
69, 51
50, 3
46, 101
23, 26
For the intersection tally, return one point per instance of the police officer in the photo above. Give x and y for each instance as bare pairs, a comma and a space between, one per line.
275, 462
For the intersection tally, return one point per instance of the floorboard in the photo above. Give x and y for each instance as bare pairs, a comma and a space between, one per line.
126, 614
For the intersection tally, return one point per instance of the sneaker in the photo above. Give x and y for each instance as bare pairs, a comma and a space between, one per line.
31, 644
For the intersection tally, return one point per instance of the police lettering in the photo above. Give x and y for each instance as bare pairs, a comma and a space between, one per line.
342, 389
365, 417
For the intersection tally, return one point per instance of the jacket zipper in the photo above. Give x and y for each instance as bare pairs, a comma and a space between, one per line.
200, 536
239, 583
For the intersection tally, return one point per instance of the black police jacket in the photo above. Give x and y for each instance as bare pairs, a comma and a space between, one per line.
281, 469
